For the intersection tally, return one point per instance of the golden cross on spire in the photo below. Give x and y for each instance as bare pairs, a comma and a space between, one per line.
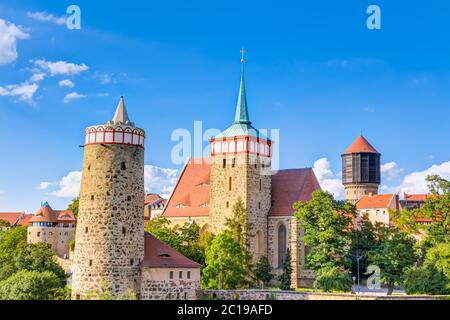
242, 59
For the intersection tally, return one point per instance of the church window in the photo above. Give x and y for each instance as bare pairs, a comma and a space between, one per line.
180, 275
229, 184
224, 163
123, 166
171, 274
281, 245
188, 274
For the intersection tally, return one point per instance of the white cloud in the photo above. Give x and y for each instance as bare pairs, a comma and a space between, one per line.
66, 83
104, 78
73, 96
391, 170
159, 180
416, 182
23, 91
69, 186
47, 17
9, 34
45, 185
328, 180
60, 67
36, 77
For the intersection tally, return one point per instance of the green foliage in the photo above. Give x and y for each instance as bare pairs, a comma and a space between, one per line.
285, 277
4, 225
263, 270
328, 230
333, 279
426, 280
439, 256
73, 206
160, 228
224, 263
72, 244
393, 253
12, 244
362, 241
31, 285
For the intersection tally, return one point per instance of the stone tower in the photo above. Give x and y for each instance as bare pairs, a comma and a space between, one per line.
240, 168
109, 244
360, 170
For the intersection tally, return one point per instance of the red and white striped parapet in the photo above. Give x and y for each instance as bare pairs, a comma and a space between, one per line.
114, 134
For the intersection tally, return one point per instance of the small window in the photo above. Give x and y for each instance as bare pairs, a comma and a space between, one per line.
92, 197
131, 262
90, 263
180, 275
259, 205
171, 275
188, 274
229, 184
233, 163
129, 198
227, 204
185, 295
256, 165
123, 166
89, 167
86, 230
38, 234
260, 184
77, 296
124, 230
224, 163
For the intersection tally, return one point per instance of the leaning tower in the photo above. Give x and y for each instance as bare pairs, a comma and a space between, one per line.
360, 170
109, 244
241, 168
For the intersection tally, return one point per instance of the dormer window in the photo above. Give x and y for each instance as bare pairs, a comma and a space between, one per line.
181, 205
205, 205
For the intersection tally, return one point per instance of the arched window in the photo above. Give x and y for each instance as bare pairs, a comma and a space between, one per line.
225, 147
217, 148
259, 242
232, 147
281, 245
240, 146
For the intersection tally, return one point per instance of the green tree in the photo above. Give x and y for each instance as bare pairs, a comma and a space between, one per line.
239, 230
263, 270
31, 285
393, 253
73, 206
224, 263
12, 244
328, 230
285, 278
333, 279
160, 228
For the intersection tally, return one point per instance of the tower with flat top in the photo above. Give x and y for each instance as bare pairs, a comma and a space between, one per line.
109, 244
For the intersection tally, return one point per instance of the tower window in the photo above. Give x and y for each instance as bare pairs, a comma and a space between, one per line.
90, 263
227, 204
92, 197
38, 234
89, 167
256, 165
260, 184
131, 262
129, 198
259, 205
233, 163
124, 230
86, 230
171, 275
123, 166
224, 163
229, 183
180, 275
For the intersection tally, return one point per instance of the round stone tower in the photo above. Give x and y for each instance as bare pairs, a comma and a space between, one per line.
360, 170
109, 244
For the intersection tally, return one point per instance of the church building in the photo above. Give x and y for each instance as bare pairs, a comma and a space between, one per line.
239, 167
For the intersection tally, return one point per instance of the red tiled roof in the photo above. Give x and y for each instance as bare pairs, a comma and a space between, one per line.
360, 145
158, 254
151, 198
290, 186
416, 197
375, 201
11, 217
191, 191
47, 214
25, 221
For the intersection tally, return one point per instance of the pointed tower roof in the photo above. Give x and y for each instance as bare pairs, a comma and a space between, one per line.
242, 126
121, 115
360, 145
241, 107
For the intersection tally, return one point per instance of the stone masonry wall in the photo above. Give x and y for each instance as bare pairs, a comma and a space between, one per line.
110, 230
57, 237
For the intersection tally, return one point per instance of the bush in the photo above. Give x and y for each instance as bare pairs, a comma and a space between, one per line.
31, 285
332, 279
426, 280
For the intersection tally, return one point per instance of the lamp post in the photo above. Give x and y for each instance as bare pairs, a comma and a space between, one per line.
354, 287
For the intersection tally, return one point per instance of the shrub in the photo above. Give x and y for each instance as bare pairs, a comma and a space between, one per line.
426, 280
332, 279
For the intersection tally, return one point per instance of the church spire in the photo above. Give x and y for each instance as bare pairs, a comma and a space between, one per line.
241, 108
121, 115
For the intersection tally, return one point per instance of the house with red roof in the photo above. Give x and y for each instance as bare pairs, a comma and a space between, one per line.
15, 218
240, 169
377, 207
153, 206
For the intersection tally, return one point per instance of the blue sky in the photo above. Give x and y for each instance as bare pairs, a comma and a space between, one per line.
314, 71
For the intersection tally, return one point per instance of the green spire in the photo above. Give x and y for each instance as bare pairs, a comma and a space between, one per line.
241, 108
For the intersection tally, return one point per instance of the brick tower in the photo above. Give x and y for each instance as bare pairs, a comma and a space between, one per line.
109, 244
240, 168
360, 170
